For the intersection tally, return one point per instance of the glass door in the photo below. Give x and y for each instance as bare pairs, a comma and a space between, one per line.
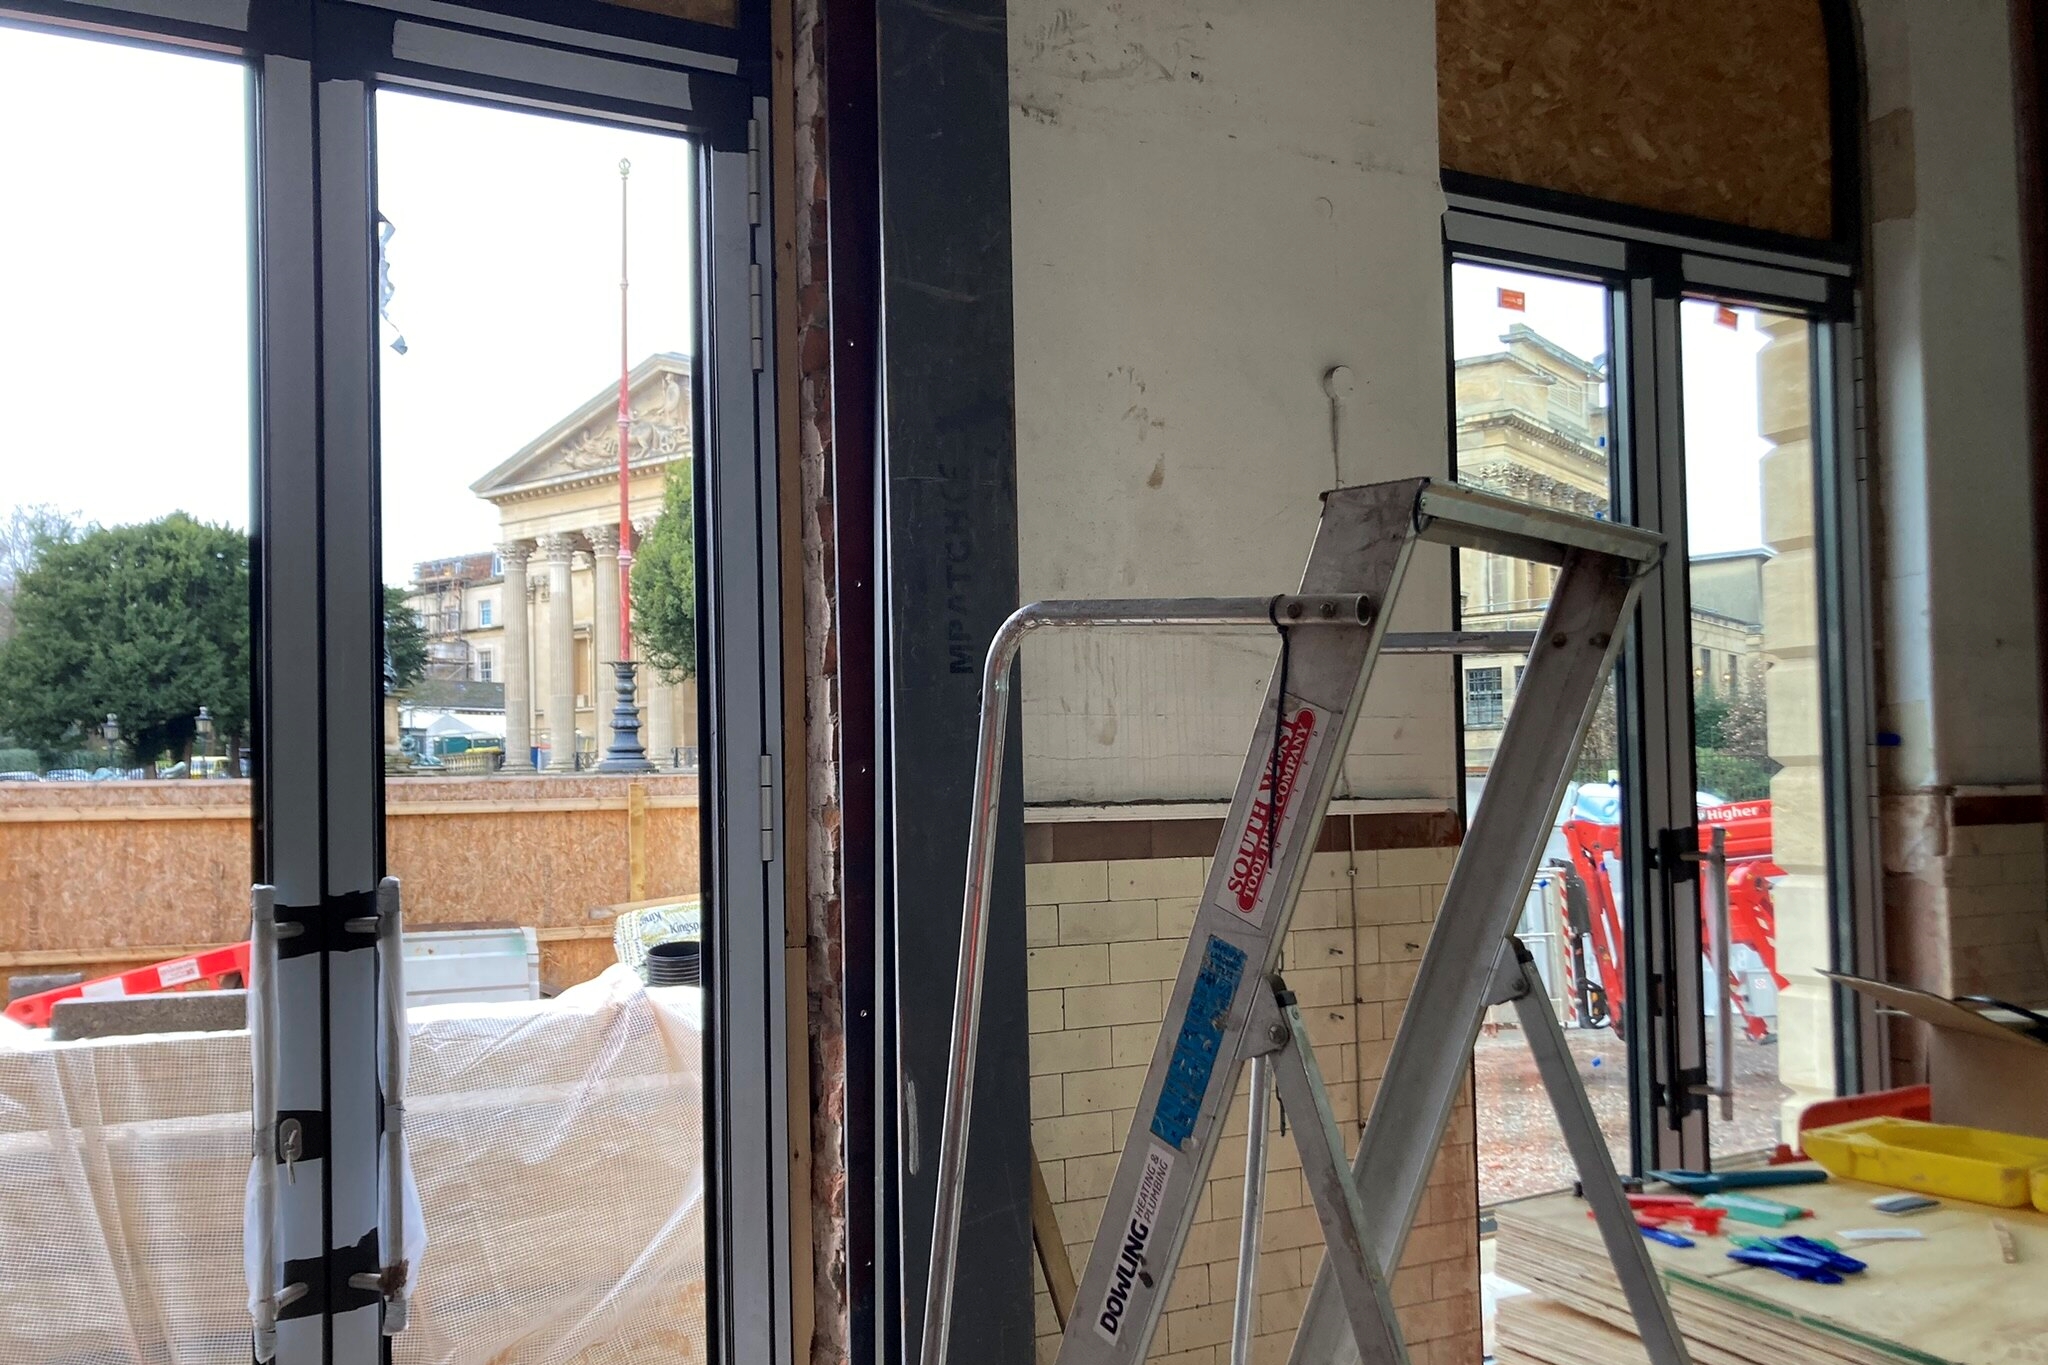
308, 355
1708, 861
537, 404
1532, 381
128, 715
550, 260
1755, 661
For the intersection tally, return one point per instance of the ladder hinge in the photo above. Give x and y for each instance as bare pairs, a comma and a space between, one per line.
754, 313
767, 808
754, 159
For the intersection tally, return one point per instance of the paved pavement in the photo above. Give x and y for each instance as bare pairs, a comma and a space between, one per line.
1521, 1151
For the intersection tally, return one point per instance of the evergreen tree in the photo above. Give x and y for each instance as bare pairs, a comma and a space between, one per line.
150, 622
405, 641
665, 582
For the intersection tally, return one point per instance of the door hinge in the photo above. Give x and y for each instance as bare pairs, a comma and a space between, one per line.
767, 808
754, 313
1677, 854
1690, 1092
754, 159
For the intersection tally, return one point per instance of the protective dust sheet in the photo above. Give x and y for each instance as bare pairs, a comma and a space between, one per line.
558, 1148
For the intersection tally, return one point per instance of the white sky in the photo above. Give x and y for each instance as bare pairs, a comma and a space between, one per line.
124, 360
1723, 447
124, 350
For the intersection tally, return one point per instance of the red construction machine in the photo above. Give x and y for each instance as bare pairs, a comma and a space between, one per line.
1591, 834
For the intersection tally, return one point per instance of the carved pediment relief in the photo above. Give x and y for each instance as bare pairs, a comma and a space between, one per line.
587, 440
660, 427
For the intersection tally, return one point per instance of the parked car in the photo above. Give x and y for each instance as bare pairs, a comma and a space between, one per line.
67, 775
21, 777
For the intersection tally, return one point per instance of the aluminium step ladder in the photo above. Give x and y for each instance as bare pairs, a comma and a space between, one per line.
1229, 1006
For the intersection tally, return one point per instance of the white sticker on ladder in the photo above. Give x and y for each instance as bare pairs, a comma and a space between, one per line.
1129, 1273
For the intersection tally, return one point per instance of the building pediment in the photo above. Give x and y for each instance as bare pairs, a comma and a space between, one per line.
585, 444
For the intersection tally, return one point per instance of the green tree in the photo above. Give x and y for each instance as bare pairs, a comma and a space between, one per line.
1600, 753
22, 536
150, 622
665, 582
405, 641
1732, 743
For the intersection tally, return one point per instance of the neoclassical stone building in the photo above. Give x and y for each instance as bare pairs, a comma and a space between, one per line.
545, 625
1532, 423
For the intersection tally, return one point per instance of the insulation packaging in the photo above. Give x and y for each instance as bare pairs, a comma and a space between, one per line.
557, 1146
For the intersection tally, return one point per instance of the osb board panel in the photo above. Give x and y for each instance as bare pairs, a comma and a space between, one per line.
1718, 111
71, 878
724, 13
562, 965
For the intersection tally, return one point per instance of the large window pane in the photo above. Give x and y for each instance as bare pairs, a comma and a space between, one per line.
535, 875
1532, 422
125, 699
1756, 682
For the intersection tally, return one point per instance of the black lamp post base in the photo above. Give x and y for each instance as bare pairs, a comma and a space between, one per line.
626, 754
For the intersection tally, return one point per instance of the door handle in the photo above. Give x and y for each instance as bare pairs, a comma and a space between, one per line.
267, 1296
1714, 857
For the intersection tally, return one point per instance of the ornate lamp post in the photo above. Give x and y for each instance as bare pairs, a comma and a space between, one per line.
625, 754
110, 731
203, 726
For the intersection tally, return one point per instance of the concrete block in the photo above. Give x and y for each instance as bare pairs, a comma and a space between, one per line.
1053, 883
1157, 960
20, 986
1086, 1049
1415, 866
172, 1012
1132, 1044
1083, 965
1109, 922
1056, 1139
1151, 878
1096, 1006
1090, 1091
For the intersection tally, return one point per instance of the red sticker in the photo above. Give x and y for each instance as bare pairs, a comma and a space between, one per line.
1514, 300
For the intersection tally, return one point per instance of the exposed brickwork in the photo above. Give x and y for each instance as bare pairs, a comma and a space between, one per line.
826, 967
1106, 938
1966, 903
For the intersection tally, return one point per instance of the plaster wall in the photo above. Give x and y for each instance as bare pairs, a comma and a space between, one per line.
1958, 672
1213, 205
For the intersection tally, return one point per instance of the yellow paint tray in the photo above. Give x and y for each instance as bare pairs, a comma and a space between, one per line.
2004, 1170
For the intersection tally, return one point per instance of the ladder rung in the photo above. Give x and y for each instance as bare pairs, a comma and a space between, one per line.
1477, 520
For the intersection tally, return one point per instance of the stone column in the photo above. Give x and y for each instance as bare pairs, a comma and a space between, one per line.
604, 630
555, 551
518, 672
1792, 695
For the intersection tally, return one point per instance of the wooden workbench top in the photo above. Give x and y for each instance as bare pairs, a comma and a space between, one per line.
1948, 1298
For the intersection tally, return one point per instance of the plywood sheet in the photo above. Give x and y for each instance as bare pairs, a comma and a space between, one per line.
1718, 111
1948, 1298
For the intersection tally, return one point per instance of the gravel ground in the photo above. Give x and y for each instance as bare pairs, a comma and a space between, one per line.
1521, 1151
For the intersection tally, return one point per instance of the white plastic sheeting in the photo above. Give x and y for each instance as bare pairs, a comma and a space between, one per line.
557, 1145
